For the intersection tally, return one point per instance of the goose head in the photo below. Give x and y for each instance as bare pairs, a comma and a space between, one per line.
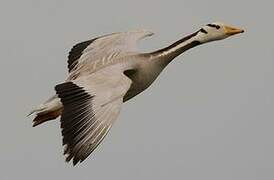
216, 31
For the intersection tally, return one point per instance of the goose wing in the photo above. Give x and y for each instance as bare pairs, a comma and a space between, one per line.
91, 105
104, 48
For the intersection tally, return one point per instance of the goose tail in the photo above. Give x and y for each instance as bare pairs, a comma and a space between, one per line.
47, 111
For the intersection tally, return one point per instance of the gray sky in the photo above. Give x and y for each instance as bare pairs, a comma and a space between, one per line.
208, 116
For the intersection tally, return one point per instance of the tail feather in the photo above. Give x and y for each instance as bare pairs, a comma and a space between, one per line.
47, 111
37, 110
41, 118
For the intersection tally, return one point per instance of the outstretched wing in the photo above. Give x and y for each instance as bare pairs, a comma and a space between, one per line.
104, 47
91, 105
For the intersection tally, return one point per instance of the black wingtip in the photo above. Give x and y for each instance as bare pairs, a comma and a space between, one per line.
76, 52
75, 161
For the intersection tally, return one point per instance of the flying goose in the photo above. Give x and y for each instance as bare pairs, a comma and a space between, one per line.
105, 72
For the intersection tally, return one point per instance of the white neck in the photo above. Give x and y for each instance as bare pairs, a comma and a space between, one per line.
167, 54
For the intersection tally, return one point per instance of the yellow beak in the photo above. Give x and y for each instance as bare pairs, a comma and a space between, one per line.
232, 31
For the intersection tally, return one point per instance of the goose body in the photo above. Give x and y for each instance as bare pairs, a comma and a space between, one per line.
105, 72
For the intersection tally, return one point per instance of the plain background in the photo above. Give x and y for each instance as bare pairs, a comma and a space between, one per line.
208, 116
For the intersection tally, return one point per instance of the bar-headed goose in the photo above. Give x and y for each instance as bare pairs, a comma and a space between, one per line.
105, 72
